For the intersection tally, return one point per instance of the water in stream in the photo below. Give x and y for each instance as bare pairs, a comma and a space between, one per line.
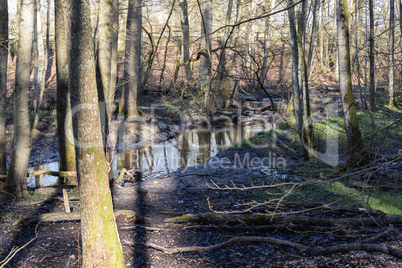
193, 146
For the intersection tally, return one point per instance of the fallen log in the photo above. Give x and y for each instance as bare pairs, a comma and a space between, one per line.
284, 243
266, 219
125, 215
53, 173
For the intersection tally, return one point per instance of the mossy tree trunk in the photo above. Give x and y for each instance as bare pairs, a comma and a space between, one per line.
16, 182
356, 150
100, 241
132, 64
3, 82
64, 117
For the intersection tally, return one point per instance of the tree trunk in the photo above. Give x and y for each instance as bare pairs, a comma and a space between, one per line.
40, 64
297, 96
267, 41
115, 54
105, 47
358, 16
3, 82
356, 150
222, 57
206, 47
16, 182
391, 86
307, 133
48, 28
64, 116
132, 64
240, 45
100, 241
371, 58
312, 39
185, 29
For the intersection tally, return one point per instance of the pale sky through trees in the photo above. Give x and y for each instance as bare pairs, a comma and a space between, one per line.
12, 6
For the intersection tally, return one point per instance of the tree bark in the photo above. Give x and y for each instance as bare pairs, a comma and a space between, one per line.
100, 241
391, 85
132, 64
105, 47
313, 35
267, 41
307, 133
371, 58
64, 115
185, 29
222, 57
297, 96
3, 82
16, 182
40, 63
240, 45
356, 150
206, 47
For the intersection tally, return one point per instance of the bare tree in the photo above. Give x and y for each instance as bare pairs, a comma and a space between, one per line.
356, 150
16, 182
132, 64
100, 241
64, 117
3, 82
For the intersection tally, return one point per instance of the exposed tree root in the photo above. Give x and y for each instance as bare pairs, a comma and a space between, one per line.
284, 243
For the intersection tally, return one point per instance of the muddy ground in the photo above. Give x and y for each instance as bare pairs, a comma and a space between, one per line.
188, 190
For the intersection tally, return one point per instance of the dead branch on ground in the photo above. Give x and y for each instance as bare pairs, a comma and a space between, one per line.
284, 243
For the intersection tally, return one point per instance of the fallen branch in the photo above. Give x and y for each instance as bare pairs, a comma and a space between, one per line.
284, 243
13, 252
